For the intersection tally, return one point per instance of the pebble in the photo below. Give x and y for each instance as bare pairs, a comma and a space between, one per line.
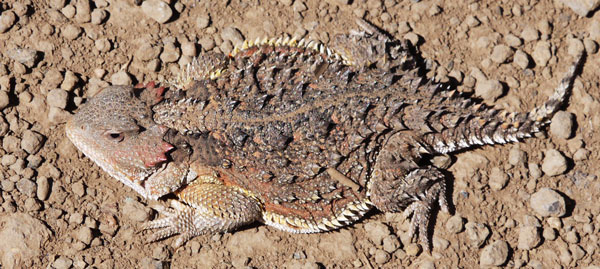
102, 45
530, 34
121, 78
57, 98
207, 43
477, 233
591, 47
413, 249
562, 124
62, 263
43, 187
376, 232
455, 224
541, 53
31, 141
98, 16
78, 188
381, 256
494, 254
147, 52
497, 179
576, 252
84, 235
7, 20
522, 59
582, 7
554, 163
28, 57
513, 40
157, 10
534, 170
26, 187
501, 54
69, 81
57, 115
83, 11
232, 34
135, 210
68, 11
31, 204
529, 237
391, 243
575, 47
203, 21
516, 156
489, 90
71, 32
170, 53
547, 202
188, 48
4, 100
549, 233
572, 237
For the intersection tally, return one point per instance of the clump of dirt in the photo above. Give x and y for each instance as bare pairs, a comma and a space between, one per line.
529, 204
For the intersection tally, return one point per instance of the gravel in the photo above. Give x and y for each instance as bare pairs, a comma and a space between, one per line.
121, 78
28, 57
529, 237
455, 224
4, 100
501, 54
7, 20
541, 53
547, 202
43, 187
497, 179
530, 34
136, 211
522, 59
582, 7
71, 32
170, 53
489, 90
57, 98
31, 141
232, 34
477, 233
376, 232
494, 254
554, 163
158, 10
562, 125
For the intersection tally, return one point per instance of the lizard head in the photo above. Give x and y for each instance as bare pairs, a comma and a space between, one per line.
115, 129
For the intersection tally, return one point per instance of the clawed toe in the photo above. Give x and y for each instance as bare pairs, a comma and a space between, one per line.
173, 222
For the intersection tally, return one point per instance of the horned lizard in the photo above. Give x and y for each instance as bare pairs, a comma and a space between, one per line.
300, 136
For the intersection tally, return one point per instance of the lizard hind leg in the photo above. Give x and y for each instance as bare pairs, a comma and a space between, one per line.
205, 208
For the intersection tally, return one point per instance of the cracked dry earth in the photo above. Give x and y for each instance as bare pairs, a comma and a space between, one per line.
532, 204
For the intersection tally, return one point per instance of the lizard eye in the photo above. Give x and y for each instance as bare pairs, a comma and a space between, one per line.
115, 136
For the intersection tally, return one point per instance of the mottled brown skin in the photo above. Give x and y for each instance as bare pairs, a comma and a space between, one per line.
306, 140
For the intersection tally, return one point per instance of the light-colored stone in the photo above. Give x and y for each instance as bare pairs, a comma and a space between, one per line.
547, 202
494, 254
157, 10
554, 163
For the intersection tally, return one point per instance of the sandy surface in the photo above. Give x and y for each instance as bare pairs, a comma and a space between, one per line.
60, 210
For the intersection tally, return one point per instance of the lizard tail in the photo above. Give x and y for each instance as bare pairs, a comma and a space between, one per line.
492, 126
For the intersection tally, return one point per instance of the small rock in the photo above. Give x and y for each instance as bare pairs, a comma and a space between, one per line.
381, 256
455, 224
495, 254
78, 188
103, 45
170, 53
299, 6
477, 233
501, 54
121, 78
489, 90
157, 10
85, 235
7, 20
43, 187
497, 179
69, 11
390, 243
206, 43
232, 34
549, 233
534, 170
413, 249
135, 210
69, 81
521, 59
57, 98
98, 16
83, 11
529, 237
582, 7
203, 21
562, 124
530, 34
516, 156
576, 252
572, 237
160, 252
28, 57
31, 204
554, 163
575, 46
376, 232
541, 53
188, 48
513, 40
31, 142
71, 31
26, 187
547, 202
591, 47
62, 263
57, 115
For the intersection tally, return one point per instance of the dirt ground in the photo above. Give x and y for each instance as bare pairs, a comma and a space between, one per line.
59, 210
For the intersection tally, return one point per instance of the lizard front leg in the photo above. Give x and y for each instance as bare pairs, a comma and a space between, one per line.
205, 206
